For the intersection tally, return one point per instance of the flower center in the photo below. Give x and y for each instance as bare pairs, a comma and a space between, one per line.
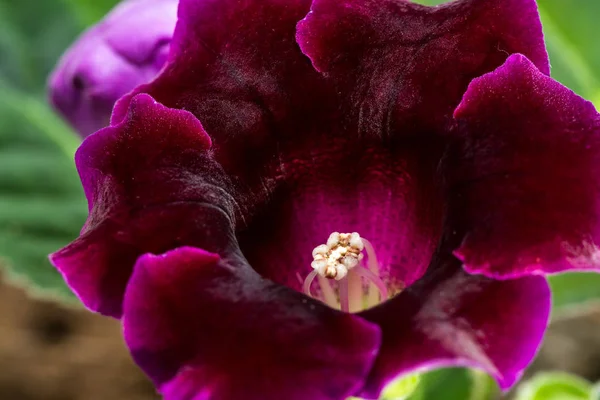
340, 262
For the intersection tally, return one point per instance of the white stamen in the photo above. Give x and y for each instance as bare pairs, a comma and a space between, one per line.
333, 240
319, 266
349, 262
356, 241
322, 250
308, 282
339, 260
341, 253
375, 280
355, 290
342, 271
344, 299
327, 292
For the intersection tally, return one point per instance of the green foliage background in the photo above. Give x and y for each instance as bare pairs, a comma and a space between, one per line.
41, 202
42, 206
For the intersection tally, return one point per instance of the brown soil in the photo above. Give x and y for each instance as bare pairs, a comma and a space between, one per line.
48, 352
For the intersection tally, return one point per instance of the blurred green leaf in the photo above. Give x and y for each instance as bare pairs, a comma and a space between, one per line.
571, 36
442, 384
42, 206
402, 388
33, 35
89, 12
41, 201
484, 387
554, 386
595, 392
431, 2
455, 384
574, 290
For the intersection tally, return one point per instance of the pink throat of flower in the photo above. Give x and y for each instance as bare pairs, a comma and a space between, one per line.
345, 281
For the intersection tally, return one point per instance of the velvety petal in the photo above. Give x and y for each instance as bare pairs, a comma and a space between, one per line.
452, 318
402, 67
236, 66
523, 175
151, 186
202, 328
127, 48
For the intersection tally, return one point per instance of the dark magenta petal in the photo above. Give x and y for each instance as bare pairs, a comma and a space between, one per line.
523, 175
98, 264
127, 48
202, 328
236, 66
452, 318
403, 67
151, 186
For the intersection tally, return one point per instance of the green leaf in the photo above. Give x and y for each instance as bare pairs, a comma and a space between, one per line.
484, 387
571, 291
33, 35
554, 386
42, 206
442, 384
90, 12
454, 384
595, 392
431, 2
571, 34
401, 388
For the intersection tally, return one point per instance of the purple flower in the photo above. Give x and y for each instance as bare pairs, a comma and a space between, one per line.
433, 137
126, 49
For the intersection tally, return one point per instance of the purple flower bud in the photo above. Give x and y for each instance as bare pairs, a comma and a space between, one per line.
127, 48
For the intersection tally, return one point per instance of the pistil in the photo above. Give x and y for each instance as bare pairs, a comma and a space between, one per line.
340, 261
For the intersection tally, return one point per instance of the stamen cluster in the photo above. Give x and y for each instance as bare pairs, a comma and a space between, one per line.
341, 253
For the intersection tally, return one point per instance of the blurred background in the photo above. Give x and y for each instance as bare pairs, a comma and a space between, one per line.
55, 350
47, 351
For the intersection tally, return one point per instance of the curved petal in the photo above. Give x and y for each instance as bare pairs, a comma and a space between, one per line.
202, 329
402, 67
452, 318
151, 186
523, 175
236, 66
